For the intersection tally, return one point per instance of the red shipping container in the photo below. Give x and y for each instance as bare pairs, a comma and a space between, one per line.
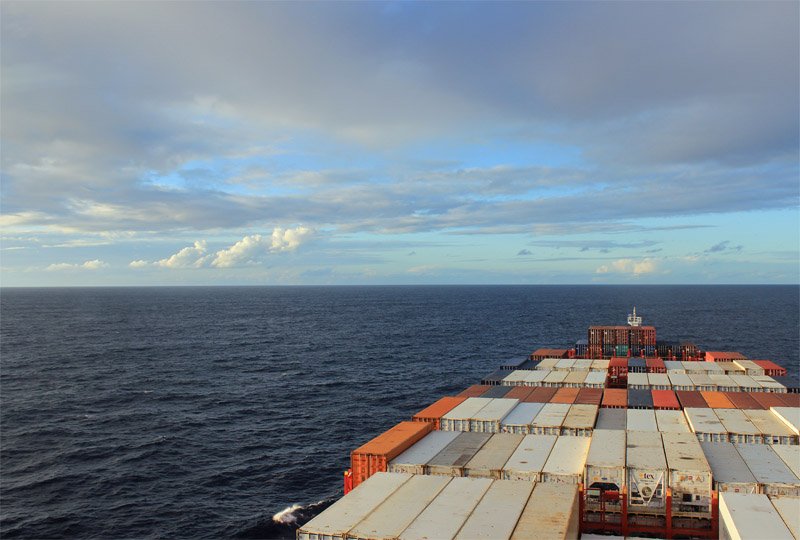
375, 456
768, 399
665, 399
771, 369
540, 394
519, 392
476, 390
433, 413
565, 395
690, 398
655, 365
615, 398
742, 400
791, 400
592, 396
723, 356
717, 400
618, 366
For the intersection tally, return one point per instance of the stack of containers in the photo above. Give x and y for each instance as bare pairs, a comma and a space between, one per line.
550, 419
749, 367
458, 418
655, 365
702, 382
706, 425
680, 381
580, 420
772, 429
415, 459
730, 472
495, 377
646, 472
740, 428
565, 364
487, 420
488, 462
375, 455
433, 413
618, 370
605, 463
547, 364
527, 461
519, 420
723, 383
787, 508
689, 474
746, 383
771, 472
567, 460
451, 459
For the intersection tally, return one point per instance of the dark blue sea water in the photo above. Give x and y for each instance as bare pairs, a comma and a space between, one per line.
201, 412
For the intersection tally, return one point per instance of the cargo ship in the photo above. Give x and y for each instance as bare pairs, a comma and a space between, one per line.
621, 435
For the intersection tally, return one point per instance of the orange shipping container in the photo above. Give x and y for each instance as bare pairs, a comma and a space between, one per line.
433, 413
589, 396
791, 400
519, 392
665, 399
615, 398
476, 390
565, 395
374, 456
717, 400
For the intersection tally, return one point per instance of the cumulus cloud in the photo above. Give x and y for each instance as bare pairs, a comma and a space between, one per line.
94, 264
188, 257
628, 266
289, 239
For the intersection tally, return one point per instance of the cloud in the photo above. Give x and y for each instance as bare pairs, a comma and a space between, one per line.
628, 266
723, 246
524, 252
289, 239
188, 257
95, 264
139, 264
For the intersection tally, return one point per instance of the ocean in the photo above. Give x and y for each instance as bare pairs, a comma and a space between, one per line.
202, 412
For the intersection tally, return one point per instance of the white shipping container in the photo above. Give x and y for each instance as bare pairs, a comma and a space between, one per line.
414, 459
669, 421
498, 512
574, 379
488, 419
729, 470
789, 509
641, 420
528, 459
638, 381
674, 366
458, 418
550, 419
535, 378
337, 520
746, 383
451, 460
747, 516
659, 381
565, 364
582, 364
691, 368
580, 420
789, 416
749, 367
790, 455
612, 419
702, 382
774, 476
740, 428
689, 473
773, 430
401, 508
680, 381
567, 460
519, 420
706, 425
491, 458
555, 378
605, 462
647, 471
552, 513
600, 365
732, 369
724, 383
515, 378
768, 384
595, 379
547, 364
445, 515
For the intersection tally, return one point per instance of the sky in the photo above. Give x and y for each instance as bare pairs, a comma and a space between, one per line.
270, 143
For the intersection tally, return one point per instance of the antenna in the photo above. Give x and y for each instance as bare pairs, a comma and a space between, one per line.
633, 320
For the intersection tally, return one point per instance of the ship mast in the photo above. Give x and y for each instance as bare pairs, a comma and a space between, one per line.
633, 320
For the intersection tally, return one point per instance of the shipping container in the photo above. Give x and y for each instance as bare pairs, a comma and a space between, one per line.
488, 419
399, 510
789, 416
789, 509
550, 419
375, 455
768, 384
548, 364
767, 399
476, 390
729, 470
706, 425
565, 364
445, 515
743, 400
691, 399
528, 459
519, 420
497, 392
595, 379
541, 395
746, 383
618, 367
638, 381
489, 461
458, 419
433, 413
637, 365
641, 420
580, 420
659, 381
600, 365
773, 475
745, 516
790, 400
582, 364
749, 367
513, 363
615, 398
680, 381
731, 368
724, 383
574, 379
552, 513
612, 419
553, 354
498, 512
671, 421
640, 399
772, 429
771, 368
605, 463
567, 460
646, 471
519, 392
717, 400
655, 365
791, 384
702, 382
565, 395
337, 520
451, 460
674, 366
724, 356
665, 399
740, 428
689, 474
589, 396
790, 454
535, 378
495, 377
515, 378
555, 379
414, 460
